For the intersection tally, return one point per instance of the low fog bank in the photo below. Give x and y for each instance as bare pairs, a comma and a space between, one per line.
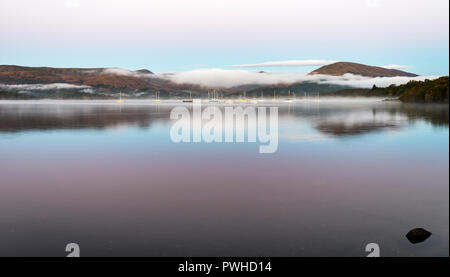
26, 88
233, 78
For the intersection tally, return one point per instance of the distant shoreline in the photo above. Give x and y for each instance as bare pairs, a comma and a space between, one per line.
435, 91
428, 91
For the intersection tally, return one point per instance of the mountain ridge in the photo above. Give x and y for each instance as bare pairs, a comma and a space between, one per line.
103, 80
144, 83
341, 68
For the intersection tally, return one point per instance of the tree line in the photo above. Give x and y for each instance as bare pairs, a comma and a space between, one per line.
428, 91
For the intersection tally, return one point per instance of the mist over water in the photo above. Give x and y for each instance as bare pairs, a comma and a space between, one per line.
108, 177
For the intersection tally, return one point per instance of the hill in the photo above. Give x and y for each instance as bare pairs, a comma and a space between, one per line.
341, 68
107, 81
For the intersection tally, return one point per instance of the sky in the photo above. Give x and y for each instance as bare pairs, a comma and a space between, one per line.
180, 35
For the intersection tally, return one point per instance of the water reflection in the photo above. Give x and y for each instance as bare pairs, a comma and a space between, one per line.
132, 191
328, 118
436, 114
23, 117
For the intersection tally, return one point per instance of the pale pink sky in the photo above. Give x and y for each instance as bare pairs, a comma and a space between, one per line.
296, 29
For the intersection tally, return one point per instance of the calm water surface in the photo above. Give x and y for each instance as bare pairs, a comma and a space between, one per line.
108, 177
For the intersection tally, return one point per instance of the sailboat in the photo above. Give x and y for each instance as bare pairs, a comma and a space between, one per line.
214, 98
120, 98
244, 100
262, 96
157, 98
190, 98
289, 100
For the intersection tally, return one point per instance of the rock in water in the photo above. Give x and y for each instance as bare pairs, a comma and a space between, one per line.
418, 235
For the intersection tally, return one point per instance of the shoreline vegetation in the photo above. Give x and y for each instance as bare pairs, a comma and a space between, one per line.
428, 91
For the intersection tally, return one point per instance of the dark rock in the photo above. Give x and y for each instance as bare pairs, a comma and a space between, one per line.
417, 235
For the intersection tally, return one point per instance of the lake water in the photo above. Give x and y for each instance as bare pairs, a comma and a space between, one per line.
108, 177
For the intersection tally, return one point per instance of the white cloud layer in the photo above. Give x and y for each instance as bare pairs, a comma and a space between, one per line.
231, 78
396, 66
290, 63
